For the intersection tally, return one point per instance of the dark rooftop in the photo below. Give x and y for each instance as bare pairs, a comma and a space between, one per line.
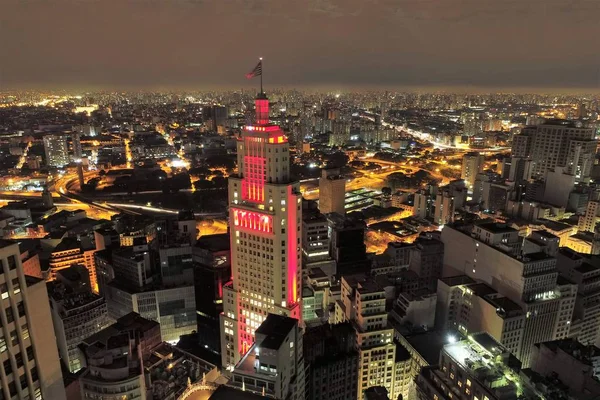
275, 328
586, 267
68, 243
495, 227
428, 345
401, 353
457, 280
214, 243
6, 243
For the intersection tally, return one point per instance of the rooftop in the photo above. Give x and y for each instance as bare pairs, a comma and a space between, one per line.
6, 243
575, 349
214, 243
275, 328
457, 280
428, 345
495, 227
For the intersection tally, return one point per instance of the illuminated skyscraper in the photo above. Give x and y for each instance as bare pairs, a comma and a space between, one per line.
265, 214
472, 164
57, 151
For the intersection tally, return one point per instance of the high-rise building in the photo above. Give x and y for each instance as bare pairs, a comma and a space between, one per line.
444, 207
587, 222
332, 359
76, 144
212, 270
363, 303
347, 244
164, 293
491, 253
31, 365
77, 314
265, 210
315, 237
426, 260
472, 164
274, 364
479, 368
557, 143
115, 359
332, 192
56, 150
583, 271
574, 364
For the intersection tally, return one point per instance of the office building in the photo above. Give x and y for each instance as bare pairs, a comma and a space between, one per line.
587, 222
163, 293
315, 237
274, 364
363, 303
347, 244
557, 143
331, 358
56, 150
479, 368
583, 271
76, 314
415, 308
212, 270
265, 210
491, 253
472, 164
444, 207
69, 252
576, 365
332, 192
31, 363
316, 297
115, 359
426, 260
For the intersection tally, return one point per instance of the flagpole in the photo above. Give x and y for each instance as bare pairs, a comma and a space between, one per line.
261, 75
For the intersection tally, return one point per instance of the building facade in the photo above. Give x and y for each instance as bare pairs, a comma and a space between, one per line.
56, 150
266, 228
29, 354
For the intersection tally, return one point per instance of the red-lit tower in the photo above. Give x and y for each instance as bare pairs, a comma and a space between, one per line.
265, 214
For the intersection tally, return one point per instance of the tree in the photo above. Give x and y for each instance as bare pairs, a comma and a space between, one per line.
386, 190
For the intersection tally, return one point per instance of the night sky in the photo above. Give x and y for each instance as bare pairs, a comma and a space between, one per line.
206, 44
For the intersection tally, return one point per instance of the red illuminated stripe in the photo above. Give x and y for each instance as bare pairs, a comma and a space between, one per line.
292, 243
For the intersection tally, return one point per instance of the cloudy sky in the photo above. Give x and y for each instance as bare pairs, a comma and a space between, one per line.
203, 44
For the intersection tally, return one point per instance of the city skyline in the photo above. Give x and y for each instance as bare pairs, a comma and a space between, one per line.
472, 46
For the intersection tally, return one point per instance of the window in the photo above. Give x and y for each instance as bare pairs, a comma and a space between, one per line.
7, 367
12, 262
29, 353
25, 332
14, 338
9, 315
16, 286
4, 290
